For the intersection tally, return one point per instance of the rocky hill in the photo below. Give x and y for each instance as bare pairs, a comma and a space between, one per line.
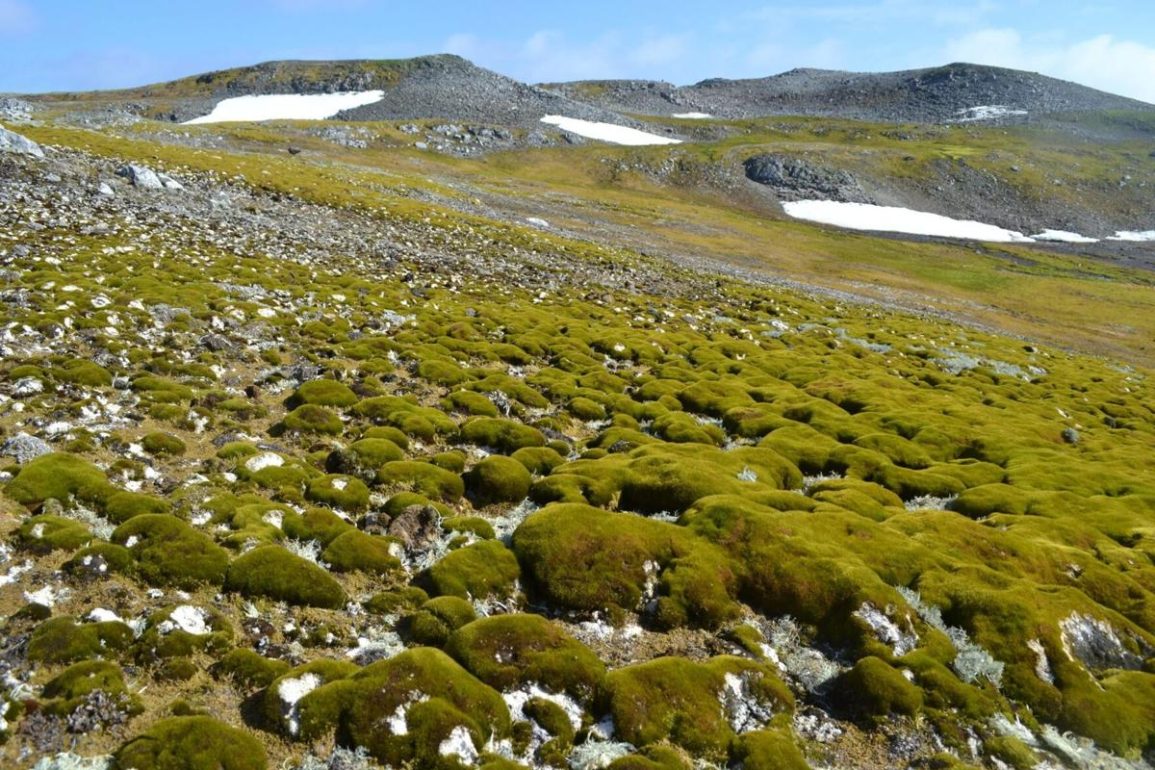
942, 94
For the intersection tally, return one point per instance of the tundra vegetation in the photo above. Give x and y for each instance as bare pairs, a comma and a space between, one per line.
550, 501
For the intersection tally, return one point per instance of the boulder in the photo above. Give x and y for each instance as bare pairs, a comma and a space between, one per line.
24, 448
12, 142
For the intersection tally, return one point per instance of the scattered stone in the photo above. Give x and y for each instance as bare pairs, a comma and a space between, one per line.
24, 448
418, 527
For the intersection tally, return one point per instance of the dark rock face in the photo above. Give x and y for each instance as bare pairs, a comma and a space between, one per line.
796, 179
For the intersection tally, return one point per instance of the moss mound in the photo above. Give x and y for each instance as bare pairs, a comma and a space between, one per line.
424, 478
497, 479
58, 476
191, 743
677, 700
273, 572
506, 651
455, 698
874, 689
476, 571
323, 393
168, 551
356, 551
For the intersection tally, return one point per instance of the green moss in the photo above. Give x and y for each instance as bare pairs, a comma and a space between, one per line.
470, 524
167, 551
424, 478
397, 601
163, 639
191, 743
323, 393
988, 499
1011, 751
476, 571
311, 418
163, 444
356, 551
471, 403
497, 479
64, 640
273, 572
86, 677
319, 524
677, 700
117, 558
60, 477
442, 372
875, 690
506, 651
249, 669
505, 436
457, 698
51, 533
315, 716
770, 750
586, 409
437, 618
339, 491
587, 559
81, 372
372, 453
540, 461
122, 506
451, 461
388, 433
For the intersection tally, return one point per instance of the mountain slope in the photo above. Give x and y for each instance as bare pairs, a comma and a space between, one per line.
939, 94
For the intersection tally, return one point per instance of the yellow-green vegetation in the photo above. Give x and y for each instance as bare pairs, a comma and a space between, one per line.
677, 700
510, 650
191, 743
273, 572
962, 521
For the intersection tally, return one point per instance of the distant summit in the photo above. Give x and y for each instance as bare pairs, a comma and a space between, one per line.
448, 87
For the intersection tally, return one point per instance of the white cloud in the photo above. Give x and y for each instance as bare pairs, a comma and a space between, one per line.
16, 18
1119, 66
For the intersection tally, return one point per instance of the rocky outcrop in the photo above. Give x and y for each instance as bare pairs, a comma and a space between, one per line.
12, 142
796, 179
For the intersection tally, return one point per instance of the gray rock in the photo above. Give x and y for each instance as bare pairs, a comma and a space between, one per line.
418, 527
141, 176
797, 179
10, 141
15, 109
24, 448
169, 183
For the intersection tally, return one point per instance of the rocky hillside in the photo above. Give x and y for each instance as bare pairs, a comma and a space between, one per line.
937, 95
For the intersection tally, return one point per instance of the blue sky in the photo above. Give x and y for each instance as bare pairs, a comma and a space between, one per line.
81, 44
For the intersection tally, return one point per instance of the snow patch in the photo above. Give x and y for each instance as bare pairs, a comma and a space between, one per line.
893, 219
988, 112
459, 744
1133, 235
1063, 236
187, 618
290, 691
46, 596
264, 460
607, 132
692, 115
287, 106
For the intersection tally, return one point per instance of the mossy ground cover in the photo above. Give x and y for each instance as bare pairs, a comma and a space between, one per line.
704, 455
